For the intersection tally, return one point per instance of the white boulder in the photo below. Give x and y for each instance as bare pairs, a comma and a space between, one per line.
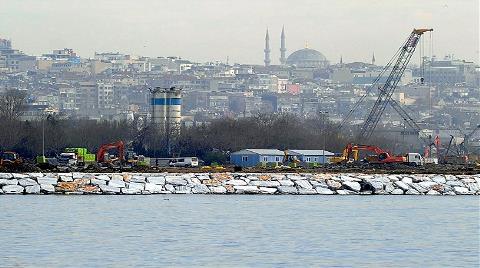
460, 190
304, 191
432, 192
47, 188
322, 190
182, 189
334, 185
200, 189
107, 189
236, 182
455, 183
402, 185
427, 184
32, 189
170, 188
412, 192
12, 189
20, 176
397, 192
103, 177
303, 184
352, 185
47, 180
246, 189
136, 186
286, 182
287, 189
116, 183
175, 180
137, 178
267, 190
8, 181
153, 188
218, 190
156, 180
439, 179
131, 191
6, 176
265, 183
376, 186
98, 182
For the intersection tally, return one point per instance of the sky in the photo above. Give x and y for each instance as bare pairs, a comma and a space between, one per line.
212, 30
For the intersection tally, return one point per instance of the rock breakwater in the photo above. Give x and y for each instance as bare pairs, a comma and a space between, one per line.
239, 183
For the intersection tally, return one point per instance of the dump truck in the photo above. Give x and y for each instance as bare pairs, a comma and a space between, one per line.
76, 157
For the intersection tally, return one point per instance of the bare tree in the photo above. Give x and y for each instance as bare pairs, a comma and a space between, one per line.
11, 103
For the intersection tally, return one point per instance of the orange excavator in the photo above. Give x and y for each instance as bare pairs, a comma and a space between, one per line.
103, 156
380, 156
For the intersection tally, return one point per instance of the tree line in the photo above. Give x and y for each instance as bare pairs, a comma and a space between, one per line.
211, 142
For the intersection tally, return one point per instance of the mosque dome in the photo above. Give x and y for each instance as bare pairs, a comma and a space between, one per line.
307, 58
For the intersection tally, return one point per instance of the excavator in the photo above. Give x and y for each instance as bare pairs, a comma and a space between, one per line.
104, 158
124, 158
345, 157
10, 159
352, 151
461, 155
290, 160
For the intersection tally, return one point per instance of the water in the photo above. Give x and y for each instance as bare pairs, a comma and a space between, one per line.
239, 231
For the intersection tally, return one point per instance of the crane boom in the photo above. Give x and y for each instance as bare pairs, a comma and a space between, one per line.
386, 91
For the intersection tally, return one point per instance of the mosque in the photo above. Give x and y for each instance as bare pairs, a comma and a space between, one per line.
303, 58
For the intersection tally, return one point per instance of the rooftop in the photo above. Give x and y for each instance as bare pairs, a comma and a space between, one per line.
310, 152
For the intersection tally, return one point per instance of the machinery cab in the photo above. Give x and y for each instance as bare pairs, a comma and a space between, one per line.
68, 159
10, 158
415, 159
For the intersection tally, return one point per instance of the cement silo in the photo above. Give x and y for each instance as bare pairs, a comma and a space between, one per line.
167, 109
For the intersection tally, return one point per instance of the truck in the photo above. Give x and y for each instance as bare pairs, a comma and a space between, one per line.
76, 157
184, 162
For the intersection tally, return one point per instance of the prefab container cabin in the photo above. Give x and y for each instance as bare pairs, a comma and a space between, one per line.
311, 156
255, 157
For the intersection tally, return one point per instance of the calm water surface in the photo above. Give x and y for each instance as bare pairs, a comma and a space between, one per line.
239, 231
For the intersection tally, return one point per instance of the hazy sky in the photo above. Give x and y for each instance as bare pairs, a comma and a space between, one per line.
208, 30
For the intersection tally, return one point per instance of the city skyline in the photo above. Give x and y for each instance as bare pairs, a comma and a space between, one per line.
202, 38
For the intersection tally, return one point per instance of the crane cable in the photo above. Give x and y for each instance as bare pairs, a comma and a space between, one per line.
374, 84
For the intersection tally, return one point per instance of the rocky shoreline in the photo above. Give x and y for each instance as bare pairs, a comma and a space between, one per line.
239, 183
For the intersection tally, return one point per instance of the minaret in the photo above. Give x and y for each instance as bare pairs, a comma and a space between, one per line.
267, 50
341, 60
283, 49
373, 58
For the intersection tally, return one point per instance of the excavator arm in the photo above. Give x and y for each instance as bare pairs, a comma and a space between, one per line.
119, 146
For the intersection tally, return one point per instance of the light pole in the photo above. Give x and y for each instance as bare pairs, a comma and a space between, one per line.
43, 137
324, 132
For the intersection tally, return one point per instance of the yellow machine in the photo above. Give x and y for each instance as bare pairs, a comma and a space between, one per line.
290, 160
344, 157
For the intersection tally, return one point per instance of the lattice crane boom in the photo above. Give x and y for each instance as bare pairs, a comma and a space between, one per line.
388, 88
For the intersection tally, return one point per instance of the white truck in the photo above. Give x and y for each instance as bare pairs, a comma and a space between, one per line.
184, 162
416, 159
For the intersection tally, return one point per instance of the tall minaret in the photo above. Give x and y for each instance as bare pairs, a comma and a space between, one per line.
283, 49
373, 58
267, 50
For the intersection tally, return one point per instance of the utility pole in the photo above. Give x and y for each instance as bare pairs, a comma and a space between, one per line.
324, 132
43, 137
